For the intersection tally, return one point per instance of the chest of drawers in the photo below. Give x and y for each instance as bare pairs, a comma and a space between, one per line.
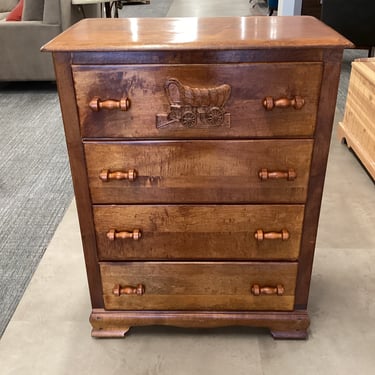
198, 151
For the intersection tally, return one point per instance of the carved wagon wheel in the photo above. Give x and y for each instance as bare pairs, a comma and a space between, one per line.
215, 116
188, 119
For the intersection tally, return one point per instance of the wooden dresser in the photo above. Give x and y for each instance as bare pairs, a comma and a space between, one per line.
198, 149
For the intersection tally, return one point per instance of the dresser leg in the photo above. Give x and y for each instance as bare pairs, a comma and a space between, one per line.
292, 334
109, 333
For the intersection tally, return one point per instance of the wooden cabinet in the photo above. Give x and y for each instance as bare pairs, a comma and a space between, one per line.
198, 150
358, 125
312, 8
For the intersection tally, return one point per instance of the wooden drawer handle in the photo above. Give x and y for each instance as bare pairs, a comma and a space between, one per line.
269, 103
260, 235
258, 290
96, 104
265, 174
106, 175
113, 235
118, 290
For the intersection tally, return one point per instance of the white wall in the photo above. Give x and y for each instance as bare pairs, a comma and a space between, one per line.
289, 7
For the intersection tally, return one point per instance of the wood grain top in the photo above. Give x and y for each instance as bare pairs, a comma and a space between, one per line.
192, 33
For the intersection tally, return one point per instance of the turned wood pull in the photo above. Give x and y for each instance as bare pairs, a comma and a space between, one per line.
96, 104
265, 174
269, 103
113, 235
118, 290
106, 175
260, 235
258, 290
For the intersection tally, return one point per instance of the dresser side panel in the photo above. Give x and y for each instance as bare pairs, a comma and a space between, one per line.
325, 117
78, 169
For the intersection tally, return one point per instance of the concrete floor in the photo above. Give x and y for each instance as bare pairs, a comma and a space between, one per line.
50, 337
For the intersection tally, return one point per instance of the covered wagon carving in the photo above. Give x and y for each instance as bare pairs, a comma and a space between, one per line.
193, 107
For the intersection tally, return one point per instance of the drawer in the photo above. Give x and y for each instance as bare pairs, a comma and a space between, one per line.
262, 232
198, 101
198, 286
265, 171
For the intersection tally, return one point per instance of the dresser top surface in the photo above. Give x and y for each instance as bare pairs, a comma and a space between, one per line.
192, 33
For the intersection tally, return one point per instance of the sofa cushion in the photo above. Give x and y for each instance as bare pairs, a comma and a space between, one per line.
33, 10
7, 5
16, 13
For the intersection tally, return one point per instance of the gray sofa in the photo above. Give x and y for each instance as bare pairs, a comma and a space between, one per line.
20, 41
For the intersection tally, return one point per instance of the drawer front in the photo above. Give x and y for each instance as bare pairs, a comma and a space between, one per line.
198, 286
270, 171
262, 232
198, 101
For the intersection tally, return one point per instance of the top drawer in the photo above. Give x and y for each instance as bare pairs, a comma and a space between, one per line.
198, 101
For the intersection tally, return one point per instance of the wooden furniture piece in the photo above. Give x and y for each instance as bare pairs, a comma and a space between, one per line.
353, 19
198, 152
311, 8
358, 125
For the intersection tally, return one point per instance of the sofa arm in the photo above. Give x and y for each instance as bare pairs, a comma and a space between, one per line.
20, 58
